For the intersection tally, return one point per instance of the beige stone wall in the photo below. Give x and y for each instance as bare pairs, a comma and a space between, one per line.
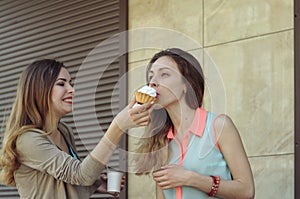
248, 60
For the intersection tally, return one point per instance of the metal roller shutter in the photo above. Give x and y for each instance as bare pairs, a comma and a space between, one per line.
67, 30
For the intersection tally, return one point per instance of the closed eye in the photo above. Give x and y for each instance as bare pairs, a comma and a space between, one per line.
63, 81
61, 84
165, 74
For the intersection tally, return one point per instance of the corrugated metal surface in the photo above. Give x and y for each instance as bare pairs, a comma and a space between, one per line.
66, 30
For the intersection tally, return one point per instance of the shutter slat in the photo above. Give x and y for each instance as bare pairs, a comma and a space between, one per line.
10, 8
68, 12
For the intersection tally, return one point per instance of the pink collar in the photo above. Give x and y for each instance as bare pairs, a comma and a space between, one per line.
198, 125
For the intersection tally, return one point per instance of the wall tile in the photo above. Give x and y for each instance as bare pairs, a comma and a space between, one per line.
137, 183
273, 176
141, 187
257, 77
229, 20
136, 76
184, 17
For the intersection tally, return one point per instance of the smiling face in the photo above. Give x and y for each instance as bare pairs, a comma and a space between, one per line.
167, 80
62, 94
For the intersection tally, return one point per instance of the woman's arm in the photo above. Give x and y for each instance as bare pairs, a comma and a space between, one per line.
38, 152
231, 146
127, 118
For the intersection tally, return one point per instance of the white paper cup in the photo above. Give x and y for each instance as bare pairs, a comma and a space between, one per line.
114, 181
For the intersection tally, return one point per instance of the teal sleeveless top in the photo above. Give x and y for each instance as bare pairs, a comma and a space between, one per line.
199, 153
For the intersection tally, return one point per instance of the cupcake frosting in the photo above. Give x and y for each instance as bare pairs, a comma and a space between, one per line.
148, 90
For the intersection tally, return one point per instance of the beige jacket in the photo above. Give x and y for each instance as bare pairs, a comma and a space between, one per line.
47, 172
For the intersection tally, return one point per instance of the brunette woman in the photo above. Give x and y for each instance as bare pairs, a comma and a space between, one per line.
194, 153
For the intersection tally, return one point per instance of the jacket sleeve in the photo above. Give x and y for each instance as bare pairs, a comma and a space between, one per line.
38, 152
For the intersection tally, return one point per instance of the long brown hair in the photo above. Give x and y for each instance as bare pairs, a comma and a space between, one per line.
31, 108
154, 149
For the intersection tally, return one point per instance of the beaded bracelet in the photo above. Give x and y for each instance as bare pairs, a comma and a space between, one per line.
215, 186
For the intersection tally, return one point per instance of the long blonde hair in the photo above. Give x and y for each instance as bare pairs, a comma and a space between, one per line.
154, 149
29, 111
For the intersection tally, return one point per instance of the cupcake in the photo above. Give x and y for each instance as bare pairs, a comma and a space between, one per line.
145, 94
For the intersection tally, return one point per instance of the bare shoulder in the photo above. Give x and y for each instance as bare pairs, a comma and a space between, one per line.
224, 126
223, 121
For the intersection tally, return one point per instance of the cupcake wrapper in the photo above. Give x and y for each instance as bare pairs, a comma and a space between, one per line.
143, 98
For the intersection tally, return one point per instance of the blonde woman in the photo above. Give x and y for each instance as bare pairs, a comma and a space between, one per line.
39, 153
194, 153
